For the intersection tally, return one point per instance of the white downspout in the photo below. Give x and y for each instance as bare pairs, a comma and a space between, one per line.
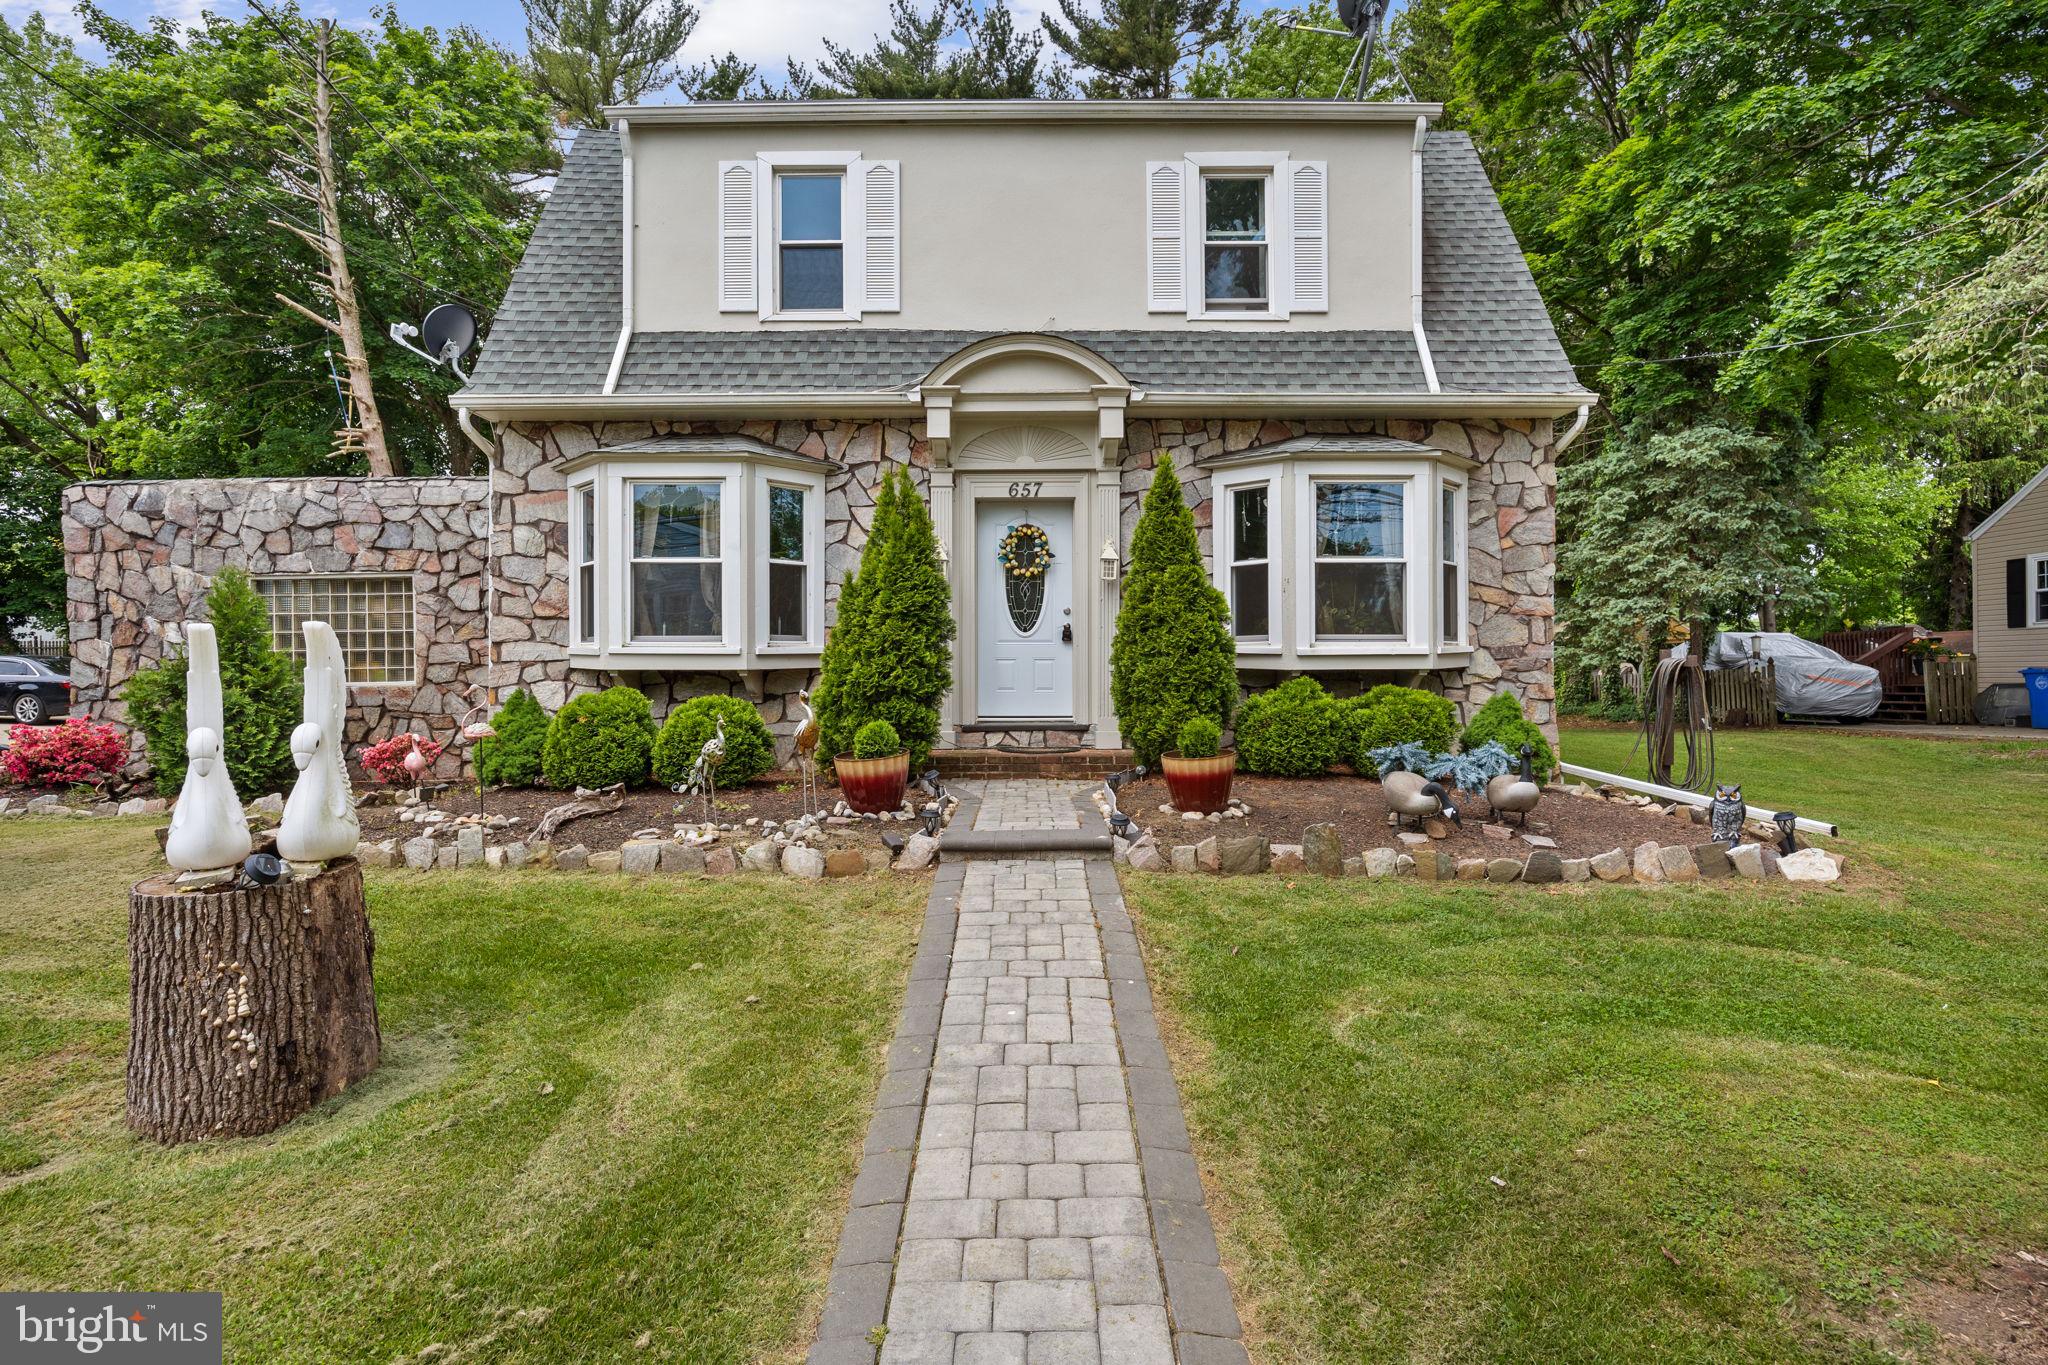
477, 439
1572, 432
611, 378
1415, 257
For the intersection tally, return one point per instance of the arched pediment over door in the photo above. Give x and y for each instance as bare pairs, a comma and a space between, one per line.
1027, 376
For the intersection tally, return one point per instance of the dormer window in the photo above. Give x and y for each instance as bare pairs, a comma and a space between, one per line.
1234, 259
810, 246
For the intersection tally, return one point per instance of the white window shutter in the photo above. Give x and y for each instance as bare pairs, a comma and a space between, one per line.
738, 266
1166, 275
882, 235
1308, 191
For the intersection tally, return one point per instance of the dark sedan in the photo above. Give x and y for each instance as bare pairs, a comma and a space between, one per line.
31, 691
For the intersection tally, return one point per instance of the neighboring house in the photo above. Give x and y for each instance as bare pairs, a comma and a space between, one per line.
2009, 553
732, 317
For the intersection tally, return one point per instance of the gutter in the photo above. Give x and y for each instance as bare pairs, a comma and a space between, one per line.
1158, 402
813, 112
1663, 793
1415, 257
611, 376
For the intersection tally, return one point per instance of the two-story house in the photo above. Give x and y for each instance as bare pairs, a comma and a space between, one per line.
732, 317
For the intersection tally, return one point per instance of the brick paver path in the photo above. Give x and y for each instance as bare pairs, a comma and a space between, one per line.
1046, 1219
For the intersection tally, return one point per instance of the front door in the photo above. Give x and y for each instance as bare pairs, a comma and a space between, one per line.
1024, 609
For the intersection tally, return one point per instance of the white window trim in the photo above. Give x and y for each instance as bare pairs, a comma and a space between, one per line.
583, 633
1279, 234
768, 233
1456, 553
1226, 486
2036, 565
743, 552
814, 562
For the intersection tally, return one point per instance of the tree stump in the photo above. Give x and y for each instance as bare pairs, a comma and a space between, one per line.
247, 1007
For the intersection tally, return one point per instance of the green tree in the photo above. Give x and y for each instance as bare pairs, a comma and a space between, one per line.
953, 52
836, 705
262, 700
1136, 49
588, 54
1686, 527
1173, 657
897, 661
1271, 56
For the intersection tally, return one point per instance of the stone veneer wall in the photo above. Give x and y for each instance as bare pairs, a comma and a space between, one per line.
1511, 505
140, 556
1511, 541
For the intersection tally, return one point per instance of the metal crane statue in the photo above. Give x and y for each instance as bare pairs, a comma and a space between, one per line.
703, 778
807, 753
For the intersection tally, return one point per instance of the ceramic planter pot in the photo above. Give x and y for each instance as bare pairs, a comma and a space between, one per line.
873, 785
1199, 784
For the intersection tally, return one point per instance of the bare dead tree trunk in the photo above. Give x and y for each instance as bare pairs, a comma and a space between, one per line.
324, 193
247, 1008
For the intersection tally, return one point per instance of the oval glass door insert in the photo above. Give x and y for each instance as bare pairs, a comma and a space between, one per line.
1025, 554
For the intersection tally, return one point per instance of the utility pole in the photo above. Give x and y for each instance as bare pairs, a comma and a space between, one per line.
322, 191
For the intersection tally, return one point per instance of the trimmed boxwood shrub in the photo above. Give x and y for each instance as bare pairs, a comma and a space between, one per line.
749, 748
877, 739
1501, 720
1395, 715
1173, 657
261, 697
1293, 730
1201, 737
599, 738
511, 758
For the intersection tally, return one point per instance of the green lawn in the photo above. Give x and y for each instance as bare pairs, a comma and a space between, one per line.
681, 1184
1729, 1125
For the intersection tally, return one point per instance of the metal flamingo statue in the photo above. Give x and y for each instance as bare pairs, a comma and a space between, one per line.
807, 753
475, 730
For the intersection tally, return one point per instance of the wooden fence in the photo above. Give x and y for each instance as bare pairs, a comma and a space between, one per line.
1744, 698
1951, 689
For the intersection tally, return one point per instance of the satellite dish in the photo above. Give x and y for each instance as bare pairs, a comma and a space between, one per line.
448, 330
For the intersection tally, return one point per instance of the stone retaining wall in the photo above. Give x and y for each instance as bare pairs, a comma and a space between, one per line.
140, 555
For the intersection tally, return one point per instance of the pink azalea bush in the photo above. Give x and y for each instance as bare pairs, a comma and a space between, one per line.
386, 761
78, 751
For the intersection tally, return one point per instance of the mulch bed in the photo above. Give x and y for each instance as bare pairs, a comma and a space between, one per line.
1281, 808
646, 808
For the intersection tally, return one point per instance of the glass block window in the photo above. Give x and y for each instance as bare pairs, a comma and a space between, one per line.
371, 616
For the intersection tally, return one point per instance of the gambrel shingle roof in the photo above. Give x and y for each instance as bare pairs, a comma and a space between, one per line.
1487, 327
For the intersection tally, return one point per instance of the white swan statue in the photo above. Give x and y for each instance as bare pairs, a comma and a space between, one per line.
208, 831
320, 815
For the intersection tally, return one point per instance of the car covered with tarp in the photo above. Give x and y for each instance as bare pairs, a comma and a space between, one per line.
1812, 680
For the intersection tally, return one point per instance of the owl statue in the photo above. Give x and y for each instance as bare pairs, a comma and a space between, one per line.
1725, 815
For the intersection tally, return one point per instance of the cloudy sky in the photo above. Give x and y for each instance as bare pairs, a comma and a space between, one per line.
761, 31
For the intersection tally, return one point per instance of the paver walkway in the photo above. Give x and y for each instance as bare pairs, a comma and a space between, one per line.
1037, 1202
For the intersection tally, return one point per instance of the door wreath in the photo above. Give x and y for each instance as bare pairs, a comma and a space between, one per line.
1025, 554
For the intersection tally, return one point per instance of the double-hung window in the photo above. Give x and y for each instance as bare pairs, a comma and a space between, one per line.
584, 528
2037, 578
791, 557
1450, 561
1235, 266
677, 576
810, 255
1361, 569
1249, 545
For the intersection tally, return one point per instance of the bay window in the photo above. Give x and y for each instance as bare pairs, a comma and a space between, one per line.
696, 551
1339, 551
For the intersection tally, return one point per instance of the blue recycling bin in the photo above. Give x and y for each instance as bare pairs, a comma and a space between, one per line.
2037, 695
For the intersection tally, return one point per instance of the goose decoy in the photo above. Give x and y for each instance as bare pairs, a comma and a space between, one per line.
1516, 793
1411, 796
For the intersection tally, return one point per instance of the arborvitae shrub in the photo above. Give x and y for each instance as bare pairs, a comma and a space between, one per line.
1292, 730
1173, 657
830, 700
1201, 737
598, 739
1501, 719
262, 697
895, 662
1395, 715
749, 748
877, 739
511, 758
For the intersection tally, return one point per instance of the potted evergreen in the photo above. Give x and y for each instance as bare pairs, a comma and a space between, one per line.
874, 775
1199, 775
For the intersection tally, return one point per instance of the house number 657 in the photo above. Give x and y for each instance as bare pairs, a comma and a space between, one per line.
1025, 490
